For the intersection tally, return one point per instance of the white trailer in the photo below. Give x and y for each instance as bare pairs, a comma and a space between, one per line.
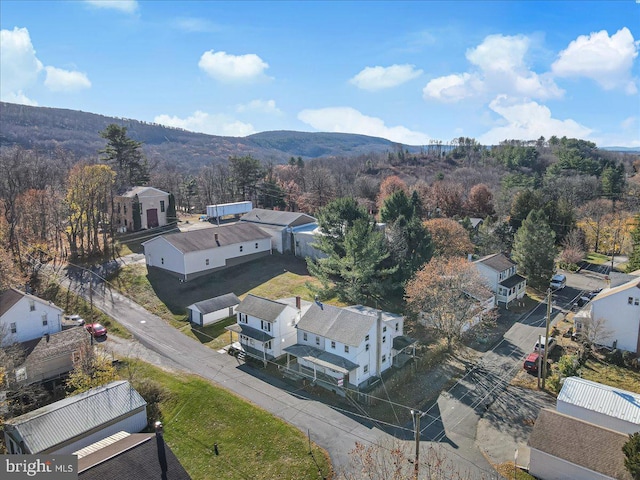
216, 212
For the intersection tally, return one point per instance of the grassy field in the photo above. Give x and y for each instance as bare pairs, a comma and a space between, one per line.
252, 443
597, 258
611, 375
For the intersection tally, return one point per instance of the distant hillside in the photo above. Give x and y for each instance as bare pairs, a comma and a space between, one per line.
78, 132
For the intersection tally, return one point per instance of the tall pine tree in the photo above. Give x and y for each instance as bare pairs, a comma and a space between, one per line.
634, 258
125, 156
534, 249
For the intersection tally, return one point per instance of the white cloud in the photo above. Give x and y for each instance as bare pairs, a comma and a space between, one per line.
607, 60
528, 120
260, 106
193, 24
19, 66
629, 123
213, 124
377, 78
226, 67
500, 68
59, 80
349, 120
126, 6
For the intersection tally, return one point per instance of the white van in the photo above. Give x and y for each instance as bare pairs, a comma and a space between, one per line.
558, 281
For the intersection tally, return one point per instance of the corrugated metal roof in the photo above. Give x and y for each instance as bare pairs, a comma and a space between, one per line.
197, 240
614, 402
216, 303
53, 424
273, 217
261, 308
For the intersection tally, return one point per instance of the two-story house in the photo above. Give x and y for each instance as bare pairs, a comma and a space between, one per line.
614, 317
502, 277
345, 347
141, 208
267, 327
25, 317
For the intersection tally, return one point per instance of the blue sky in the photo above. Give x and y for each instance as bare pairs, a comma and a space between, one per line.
411, 72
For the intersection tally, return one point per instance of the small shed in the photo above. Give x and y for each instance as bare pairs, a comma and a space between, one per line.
213, 310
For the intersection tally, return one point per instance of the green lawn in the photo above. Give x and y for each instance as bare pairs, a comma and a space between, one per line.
597, 258
252, 443
611, 375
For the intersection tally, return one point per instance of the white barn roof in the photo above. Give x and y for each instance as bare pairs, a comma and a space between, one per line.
614, 402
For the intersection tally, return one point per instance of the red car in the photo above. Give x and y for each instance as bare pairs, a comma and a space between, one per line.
96, 329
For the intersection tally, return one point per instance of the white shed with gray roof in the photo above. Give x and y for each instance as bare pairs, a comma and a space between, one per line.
213, 310
75, 422
600, 404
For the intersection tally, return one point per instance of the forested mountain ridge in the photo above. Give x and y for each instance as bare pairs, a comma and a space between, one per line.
45, 129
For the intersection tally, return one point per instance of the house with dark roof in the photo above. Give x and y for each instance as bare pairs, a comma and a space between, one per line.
281, 226
213, 309
77, 421
188, 255
346, 347
267, 327
616, 312
51, 356
26, 317
135, 456
140, 208
567, 448
502, 277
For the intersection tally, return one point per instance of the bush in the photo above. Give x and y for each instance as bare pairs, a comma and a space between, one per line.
554, 383
616, 358
154, 394
568, 365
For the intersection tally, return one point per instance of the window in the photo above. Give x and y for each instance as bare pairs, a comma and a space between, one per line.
267, 345
44, 320
162, 260
13, 327
366, 339
346, 349
304, 336
317, 340
384, 339
630, 300
243, 318
366, 347
240, 247
125, 209
32, 306
206, 262
118, 208
366, 368
256, 245
125, 222
266, 326
636, 301
384, 329
384, 358
397, 326
333, 344
162, 205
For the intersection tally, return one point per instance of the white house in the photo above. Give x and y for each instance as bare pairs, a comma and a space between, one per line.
213, 310
199, 252
25, 317
616, 311
267, 327
567, 448
502, 277
600, 404
75, 422
340, 347
141, 207
281, 226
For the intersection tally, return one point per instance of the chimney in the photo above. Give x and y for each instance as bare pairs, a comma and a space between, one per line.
298, 302
162, 455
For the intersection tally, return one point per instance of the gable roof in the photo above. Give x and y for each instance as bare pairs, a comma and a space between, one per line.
497, 261
581, 443
614, 402
10, 297
216, 303
66, 419
41, 349
204, 239
341, 324
130, 457
607, 292
261, 308
274, 217
132, 192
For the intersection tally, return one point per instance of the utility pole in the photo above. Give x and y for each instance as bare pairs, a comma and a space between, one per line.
416, 414
546, 338
539, 360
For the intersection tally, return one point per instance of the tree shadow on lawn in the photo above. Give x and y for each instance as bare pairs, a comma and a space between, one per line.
239, 279
208, 333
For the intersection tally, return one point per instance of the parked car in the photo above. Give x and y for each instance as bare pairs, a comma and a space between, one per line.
558, 281
235, 348
581, 302
540, 347
75, 318
96, 329
593, 293
532, 361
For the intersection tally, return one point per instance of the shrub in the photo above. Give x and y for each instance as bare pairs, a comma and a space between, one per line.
568, 365
154, 394
616, 358
554, 383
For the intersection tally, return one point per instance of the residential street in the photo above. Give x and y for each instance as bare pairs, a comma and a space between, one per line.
480, 418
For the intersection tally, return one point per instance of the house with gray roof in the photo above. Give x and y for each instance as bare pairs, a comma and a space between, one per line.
188, 255
568, 448
25, 317
282, 227
78, 421
502, 277
265, 328
213, 309
346, 347
140, 208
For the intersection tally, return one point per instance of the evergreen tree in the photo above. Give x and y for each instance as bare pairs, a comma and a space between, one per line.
125, 156
410, 247
631, 451
246, 172
534, 249
634, 257
396, 205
